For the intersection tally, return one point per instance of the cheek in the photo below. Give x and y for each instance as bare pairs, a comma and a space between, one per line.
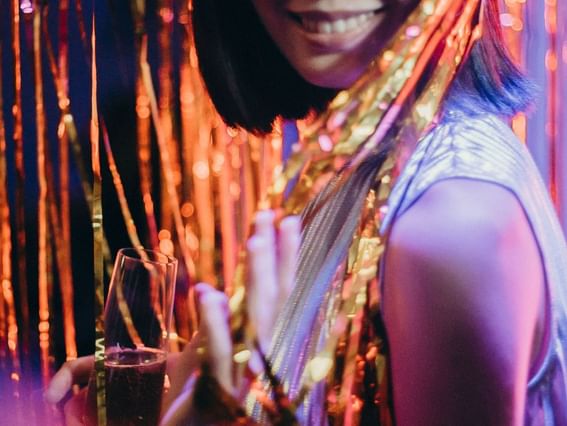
274, 20
269, 13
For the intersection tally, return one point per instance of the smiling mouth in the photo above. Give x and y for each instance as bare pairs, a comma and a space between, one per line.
337, 23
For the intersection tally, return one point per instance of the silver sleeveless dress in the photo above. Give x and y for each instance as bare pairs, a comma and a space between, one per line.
484, 148
481, 148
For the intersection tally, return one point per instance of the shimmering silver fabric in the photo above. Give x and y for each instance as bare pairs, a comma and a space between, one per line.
484, 148
304, 323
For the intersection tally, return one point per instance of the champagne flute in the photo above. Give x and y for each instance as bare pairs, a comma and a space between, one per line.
137, 318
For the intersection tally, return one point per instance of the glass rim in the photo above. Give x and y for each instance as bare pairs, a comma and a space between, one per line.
126, 253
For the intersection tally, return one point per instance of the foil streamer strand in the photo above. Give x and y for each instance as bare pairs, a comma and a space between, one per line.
59, 217
191, 98
82, 28
8, 321
17, 136
143, 129
513, 25
551, 64
64, 105
66, 272
61, 261
226, 210
165, 90
203, 199
117, 180
144, 160
97, 240
375, 98
166, 162
42, 213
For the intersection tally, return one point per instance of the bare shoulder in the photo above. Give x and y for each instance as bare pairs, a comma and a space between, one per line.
466, 221
470, 233
454, 209
462, 295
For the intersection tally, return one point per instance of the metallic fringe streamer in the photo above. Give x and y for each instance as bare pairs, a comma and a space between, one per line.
513, 26
375, 100
66, 267
561, 113
60, 223
117, 180
44, 278
226, 208
551, 64
165, 104
218, 175
64, 105
97, 240
20, 231
203, 197
8, 320
82, 28
190, 98
143, 126
166, 163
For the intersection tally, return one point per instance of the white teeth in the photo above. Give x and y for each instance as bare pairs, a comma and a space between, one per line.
338, 26
324, 27
351, 23
364, 17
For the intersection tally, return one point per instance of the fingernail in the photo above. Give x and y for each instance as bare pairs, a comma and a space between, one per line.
291, 224
265, 217
202, 288
256, 243
51, 397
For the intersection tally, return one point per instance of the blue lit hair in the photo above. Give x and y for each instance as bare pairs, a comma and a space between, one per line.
490, 81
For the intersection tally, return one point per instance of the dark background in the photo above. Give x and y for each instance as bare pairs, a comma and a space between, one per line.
116, 57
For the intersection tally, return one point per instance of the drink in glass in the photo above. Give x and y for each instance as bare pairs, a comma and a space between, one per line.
137, 318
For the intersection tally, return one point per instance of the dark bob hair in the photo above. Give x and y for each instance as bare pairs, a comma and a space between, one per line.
252, 84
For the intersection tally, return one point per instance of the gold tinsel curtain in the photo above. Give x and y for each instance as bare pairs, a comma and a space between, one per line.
174, 177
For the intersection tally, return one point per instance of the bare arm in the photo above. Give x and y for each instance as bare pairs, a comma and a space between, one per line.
464, 296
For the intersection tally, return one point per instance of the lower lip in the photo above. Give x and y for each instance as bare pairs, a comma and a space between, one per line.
339, 41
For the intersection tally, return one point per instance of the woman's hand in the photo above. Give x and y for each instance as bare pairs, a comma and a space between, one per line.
213, 342
213, 332
75, 372
181, 367
272, 261
272, 258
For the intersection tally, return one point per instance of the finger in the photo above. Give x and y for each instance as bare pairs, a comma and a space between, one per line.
180, 366
71, 373
264, 225
179, 413
213, 307
262, 289
74, 409
288, 247
266, 255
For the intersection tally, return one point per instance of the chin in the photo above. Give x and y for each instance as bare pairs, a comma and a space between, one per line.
336, 70
330, 81
330, 77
